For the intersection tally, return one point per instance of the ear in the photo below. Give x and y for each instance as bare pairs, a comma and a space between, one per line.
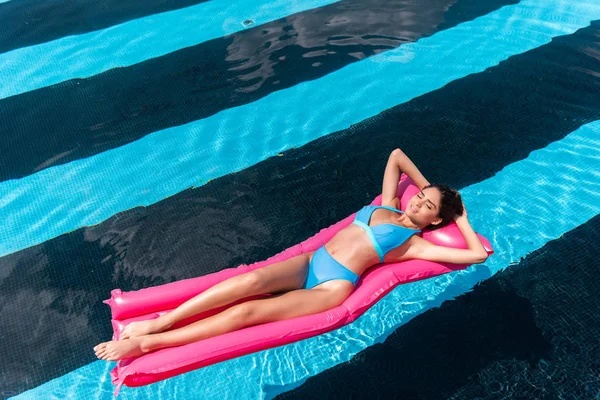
437, 221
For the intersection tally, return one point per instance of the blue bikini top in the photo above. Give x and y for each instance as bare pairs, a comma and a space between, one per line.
385, 237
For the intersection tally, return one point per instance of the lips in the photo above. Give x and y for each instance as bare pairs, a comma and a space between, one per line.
413, 209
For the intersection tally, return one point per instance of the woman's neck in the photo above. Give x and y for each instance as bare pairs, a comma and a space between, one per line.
405, 222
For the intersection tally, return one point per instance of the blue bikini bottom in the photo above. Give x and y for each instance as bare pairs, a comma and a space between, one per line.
324, 268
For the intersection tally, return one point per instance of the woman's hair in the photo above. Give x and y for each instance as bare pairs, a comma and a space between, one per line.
450, 205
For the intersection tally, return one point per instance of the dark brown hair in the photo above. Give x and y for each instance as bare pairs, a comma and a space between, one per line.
450, 205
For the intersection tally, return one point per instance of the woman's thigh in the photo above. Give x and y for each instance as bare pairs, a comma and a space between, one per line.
295, 303
285, 275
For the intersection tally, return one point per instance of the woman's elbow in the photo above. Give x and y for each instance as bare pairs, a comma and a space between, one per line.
481, 258
396, 153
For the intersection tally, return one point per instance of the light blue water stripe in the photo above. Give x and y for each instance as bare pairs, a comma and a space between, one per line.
88, 191
89, 54
524, 206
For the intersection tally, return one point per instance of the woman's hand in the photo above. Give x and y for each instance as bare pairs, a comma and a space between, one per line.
476, 250
464, 214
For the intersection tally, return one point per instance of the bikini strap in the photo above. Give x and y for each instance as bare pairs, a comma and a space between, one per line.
390, 208
395, 209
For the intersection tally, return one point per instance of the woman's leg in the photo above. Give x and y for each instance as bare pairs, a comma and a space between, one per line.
292, 304
278, 277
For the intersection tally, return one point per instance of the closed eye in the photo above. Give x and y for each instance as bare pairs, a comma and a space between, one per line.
419, 196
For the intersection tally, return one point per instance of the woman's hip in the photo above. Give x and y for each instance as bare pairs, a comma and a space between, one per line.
323, 267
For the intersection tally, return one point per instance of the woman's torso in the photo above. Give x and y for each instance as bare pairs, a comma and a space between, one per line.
353, 248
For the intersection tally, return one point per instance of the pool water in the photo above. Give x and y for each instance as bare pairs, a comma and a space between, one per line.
144, 144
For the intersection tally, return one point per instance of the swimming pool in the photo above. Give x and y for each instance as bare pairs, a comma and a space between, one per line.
144, 146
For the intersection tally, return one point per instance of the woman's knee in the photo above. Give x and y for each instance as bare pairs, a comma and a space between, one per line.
253, 282
242, 313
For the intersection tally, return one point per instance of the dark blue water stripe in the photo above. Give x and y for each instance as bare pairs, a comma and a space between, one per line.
529, 332
29, 68
78, 119
29, 22
461, 134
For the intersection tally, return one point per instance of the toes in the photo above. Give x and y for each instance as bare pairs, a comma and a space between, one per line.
101, 353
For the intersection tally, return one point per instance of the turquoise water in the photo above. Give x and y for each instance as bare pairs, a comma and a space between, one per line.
532, 200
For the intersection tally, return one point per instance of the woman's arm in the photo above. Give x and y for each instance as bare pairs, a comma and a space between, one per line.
399, 162
475, 254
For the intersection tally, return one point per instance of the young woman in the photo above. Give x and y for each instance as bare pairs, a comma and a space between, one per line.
319, 280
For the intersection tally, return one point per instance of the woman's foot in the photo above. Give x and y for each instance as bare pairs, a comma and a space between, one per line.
141, 328
117, 350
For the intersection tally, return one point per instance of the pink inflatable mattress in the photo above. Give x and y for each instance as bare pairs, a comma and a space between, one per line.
151, 302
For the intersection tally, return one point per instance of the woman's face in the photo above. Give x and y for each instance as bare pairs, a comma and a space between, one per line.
423, 208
